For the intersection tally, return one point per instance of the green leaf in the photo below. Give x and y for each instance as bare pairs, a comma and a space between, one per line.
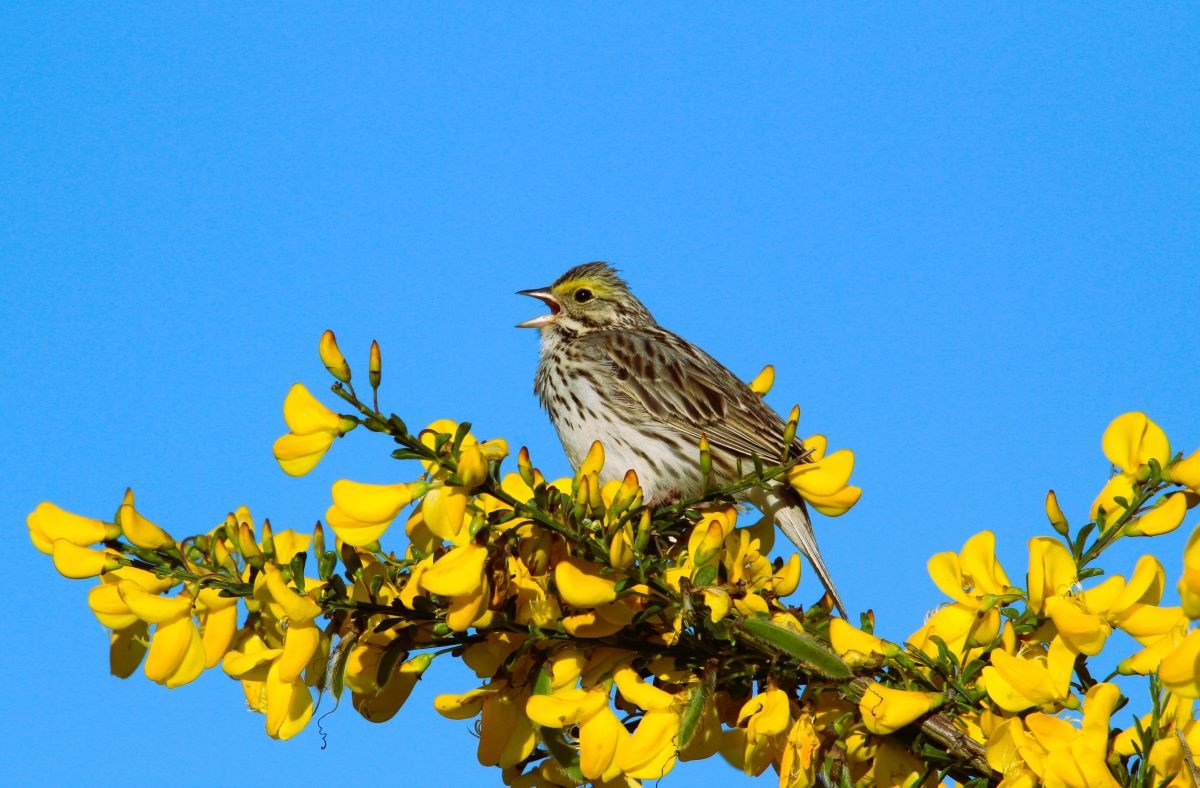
393, 655
693, 712
705, 576
563, 754
408, 454
1082, 536
297, 566
337, 665
803, 647
460, 434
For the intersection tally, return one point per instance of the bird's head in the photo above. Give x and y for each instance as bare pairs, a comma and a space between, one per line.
586, 298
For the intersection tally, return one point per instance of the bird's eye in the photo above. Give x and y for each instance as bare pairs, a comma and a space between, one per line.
583, 296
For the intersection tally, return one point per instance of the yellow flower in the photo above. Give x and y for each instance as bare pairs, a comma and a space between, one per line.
472, 466
1178, 670
77, 562
761, 736
886, 710
1186, 472
593, 462
961, 627
601, 734
896, 765
313, 429
825, 481
1150, 658
580, 583
1085, 619
1058, 753
1129, 443
799, 763
176, 654
488, 656
289, 704
361, 513
380, 703
856, 647
1052, 571
650, 753
1166, 516
1035, 678
218, 624
974, 574
638, 692
444, 510
48, 522
1189, 584
459, 574
763, 380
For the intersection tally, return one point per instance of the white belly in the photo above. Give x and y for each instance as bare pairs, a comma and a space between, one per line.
663, 460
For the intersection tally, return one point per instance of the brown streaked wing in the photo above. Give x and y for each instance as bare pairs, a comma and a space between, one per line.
656, 372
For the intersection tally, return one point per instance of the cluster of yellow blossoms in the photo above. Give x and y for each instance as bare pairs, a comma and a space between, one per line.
612, 641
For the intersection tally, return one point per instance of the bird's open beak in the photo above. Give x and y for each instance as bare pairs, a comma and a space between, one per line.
544, 294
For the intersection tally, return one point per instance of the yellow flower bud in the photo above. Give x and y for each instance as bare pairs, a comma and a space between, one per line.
789, 431
593, 462
525, 467
886, 710
332, 358
628, 495
248, 544
620, 548
138, 529
1054, 514
375, 368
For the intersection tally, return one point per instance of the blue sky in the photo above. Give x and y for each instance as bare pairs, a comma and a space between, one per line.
966, 237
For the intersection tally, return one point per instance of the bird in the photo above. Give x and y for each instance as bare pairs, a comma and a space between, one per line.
608, 372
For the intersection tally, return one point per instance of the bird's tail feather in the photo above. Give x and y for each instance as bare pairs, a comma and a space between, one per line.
790, 513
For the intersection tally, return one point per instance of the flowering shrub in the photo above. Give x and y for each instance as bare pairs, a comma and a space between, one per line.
611, 640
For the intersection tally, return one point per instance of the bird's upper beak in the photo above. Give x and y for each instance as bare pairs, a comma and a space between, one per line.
544, 294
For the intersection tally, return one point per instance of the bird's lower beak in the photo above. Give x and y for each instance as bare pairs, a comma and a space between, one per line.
543, 294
